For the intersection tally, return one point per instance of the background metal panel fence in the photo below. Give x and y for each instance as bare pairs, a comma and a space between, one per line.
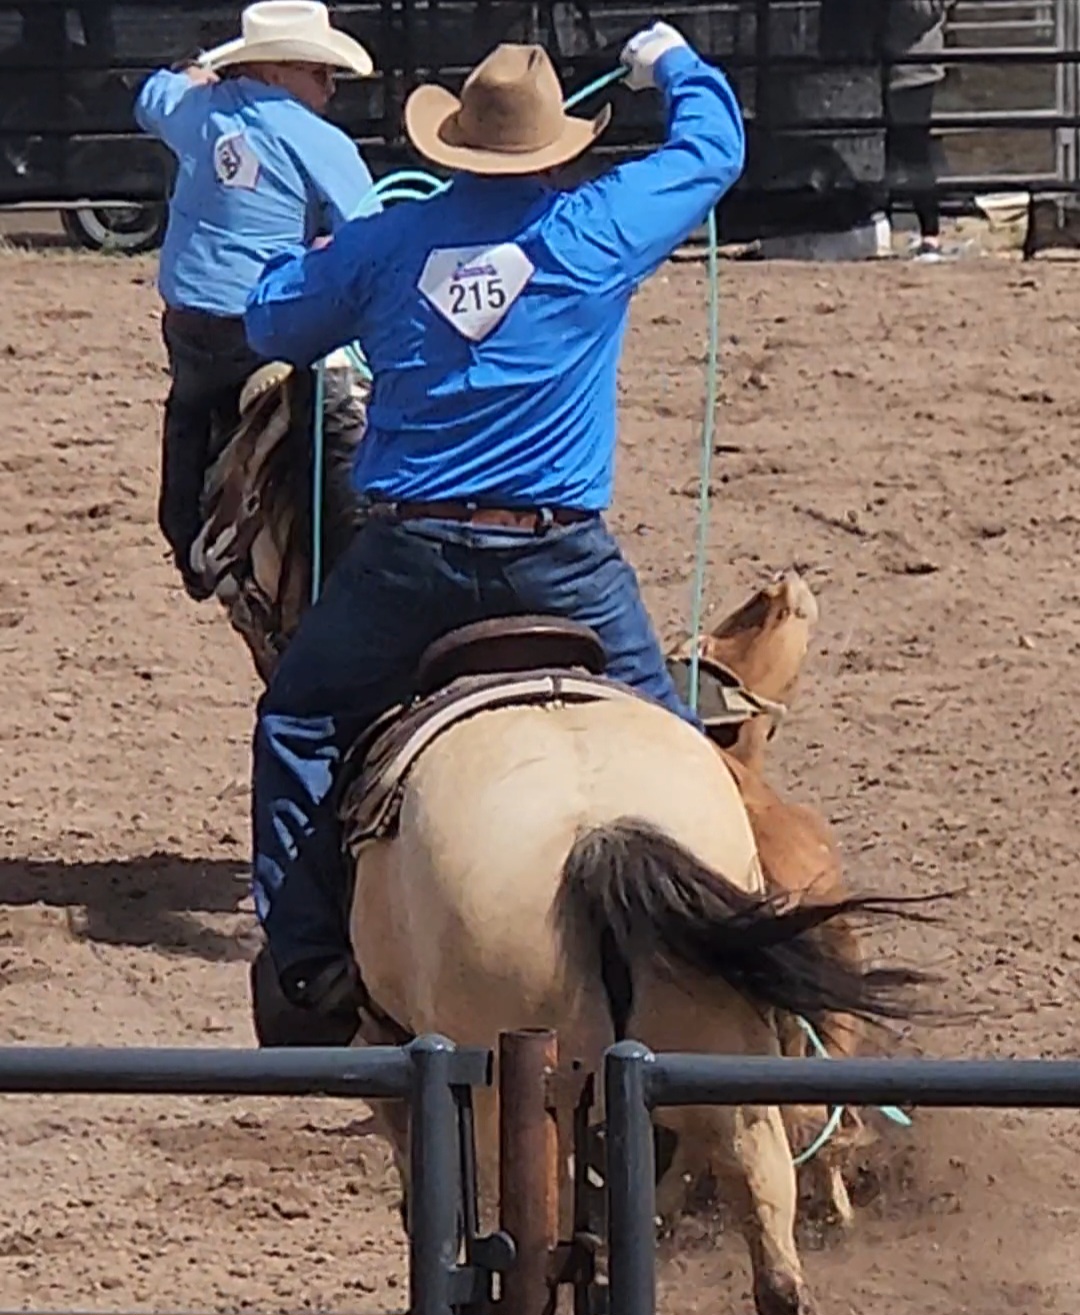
1027, 93
810, 74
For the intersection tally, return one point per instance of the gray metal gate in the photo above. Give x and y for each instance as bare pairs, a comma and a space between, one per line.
1003, 120
637, 1081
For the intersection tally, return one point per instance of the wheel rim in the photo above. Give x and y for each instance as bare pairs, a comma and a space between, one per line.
120, 227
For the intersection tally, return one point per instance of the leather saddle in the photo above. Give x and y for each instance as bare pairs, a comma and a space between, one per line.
508, 662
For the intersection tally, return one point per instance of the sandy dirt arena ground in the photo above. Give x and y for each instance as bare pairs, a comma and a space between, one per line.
905, 436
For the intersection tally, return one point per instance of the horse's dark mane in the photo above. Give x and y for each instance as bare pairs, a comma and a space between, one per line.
287, 476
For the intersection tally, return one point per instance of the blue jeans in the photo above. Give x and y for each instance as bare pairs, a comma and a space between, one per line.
396, 590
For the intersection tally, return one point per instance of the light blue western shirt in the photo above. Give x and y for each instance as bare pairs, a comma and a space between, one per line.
259, 173
492, 315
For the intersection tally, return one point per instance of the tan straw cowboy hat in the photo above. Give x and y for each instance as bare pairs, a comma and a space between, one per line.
509, 119
290, 31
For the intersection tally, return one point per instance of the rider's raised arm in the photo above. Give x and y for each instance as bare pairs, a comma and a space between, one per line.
620, 228
307, 303
164, 96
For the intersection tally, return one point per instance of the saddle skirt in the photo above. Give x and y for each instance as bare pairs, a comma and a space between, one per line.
232, 515
231, 520
373, 776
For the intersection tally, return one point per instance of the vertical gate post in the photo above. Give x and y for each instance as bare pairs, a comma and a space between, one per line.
630, 1178
528, 1168
434, 1173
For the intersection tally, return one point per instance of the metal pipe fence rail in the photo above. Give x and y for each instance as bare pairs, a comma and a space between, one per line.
544, 1113
637, 1081
431, 1075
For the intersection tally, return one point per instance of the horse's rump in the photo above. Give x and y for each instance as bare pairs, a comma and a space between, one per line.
489, 815
372, 779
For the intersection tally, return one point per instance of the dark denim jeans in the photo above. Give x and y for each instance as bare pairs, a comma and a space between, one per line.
397, 589
209, 361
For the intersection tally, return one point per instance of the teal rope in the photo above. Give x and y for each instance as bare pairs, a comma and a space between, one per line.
597, 84
410, 177
358, 361
837, 1113
317, 460
708, 443
822, 1139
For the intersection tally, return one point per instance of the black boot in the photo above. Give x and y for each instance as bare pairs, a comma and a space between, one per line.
316, 1006
194, 585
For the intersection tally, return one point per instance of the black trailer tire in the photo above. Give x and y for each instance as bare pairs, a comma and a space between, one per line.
129, 231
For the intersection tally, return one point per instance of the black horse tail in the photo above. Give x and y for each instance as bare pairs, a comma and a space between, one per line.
632, 893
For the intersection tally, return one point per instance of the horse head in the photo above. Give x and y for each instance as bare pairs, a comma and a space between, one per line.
766, 639
762, 646
255, 549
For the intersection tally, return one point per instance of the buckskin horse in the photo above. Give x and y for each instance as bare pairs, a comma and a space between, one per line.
535, 846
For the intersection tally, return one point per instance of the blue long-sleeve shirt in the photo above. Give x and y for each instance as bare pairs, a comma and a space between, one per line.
493, 314
259, 173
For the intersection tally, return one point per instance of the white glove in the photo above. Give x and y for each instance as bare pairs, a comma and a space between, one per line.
643, 50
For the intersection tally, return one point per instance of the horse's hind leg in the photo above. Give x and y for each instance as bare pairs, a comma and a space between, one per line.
762, 1172
390, 1117
745, 1149
750, 1158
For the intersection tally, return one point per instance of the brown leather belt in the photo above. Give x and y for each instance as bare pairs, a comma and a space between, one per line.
536, 519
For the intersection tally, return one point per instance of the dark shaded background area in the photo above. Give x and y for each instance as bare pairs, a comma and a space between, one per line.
69, 73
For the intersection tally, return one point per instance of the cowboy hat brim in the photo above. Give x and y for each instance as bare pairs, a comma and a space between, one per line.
431, 122
339, 50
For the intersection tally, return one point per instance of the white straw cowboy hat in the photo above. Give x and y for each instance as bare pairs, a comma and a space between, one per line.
290, 31
509, 119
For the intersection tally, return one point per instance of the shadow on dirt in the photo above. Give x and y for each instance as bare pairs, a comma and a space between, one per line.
183, 906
